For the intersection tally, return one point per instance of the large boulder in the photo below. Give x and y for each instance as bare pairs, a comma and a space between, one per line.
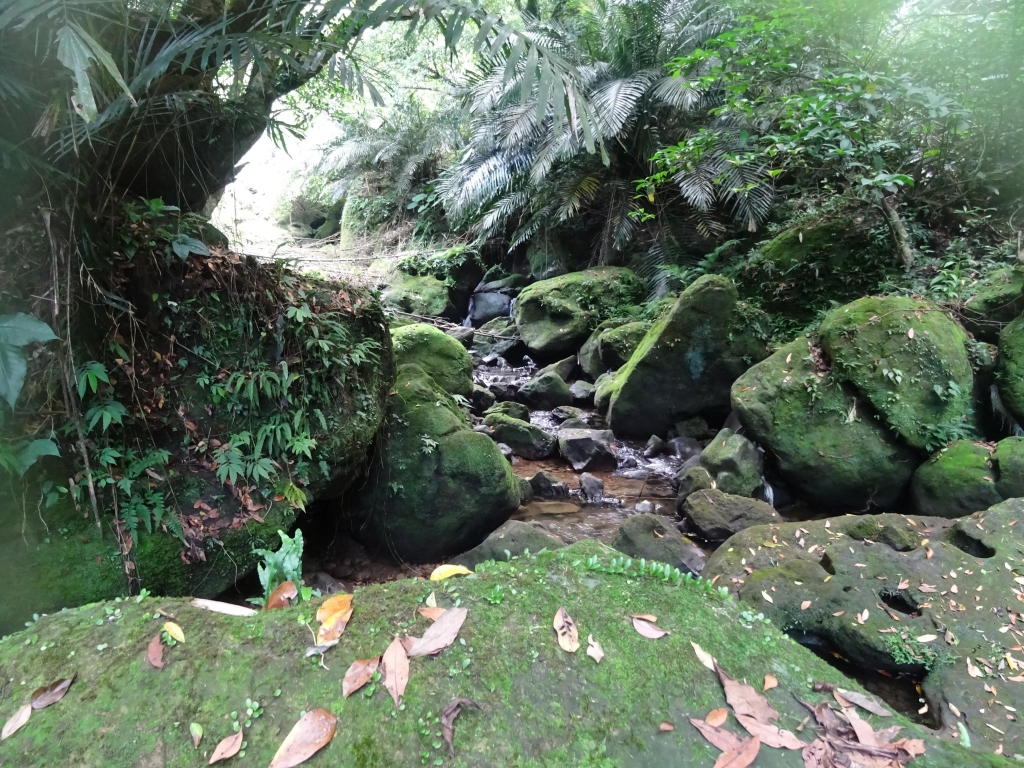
437, 487
909, 360
486, 306
1008, 459
513, 539
1010, 368
510, 408
498, 337
955, 482
825, 439
654, 537
438, 354
685, 364
734, 462
555, 316
425, 296
999, 300
588, 450
715, 516
525, 439
589, 356
546, 391
122, 712
616, 345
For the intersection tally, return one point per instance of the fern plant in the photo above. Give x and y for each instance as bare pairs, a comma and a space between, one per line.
278, 567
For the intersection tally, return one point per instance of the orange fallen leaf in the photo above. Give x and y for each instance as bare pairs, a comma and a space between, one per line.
666, 727
441, 633
332, 629
52, 693
312, 733
395, 664
648, 630
837, 614
16, 721
904, 583
430, 613
358, 675
227, 748
770, 681
155, 652
740, 758
282, 596
717, 717
724, 740
565, 631
332, 605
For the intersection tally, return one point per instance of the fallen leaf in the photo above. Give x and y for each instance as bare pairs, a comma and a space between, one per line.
282, 596
805, 605
174, 631
705, 658
770, 734
227, 748
332, 629
452, 711
408, 641
745, 700
904, 584
972, 670
926, 638
666, 727
739, 758
913, 747
440, 634
396, 669
431, 601
865, 702
644, 616
218, 607
333, 605
770, 681
766, 596
717, 717
566, 632
648, 630
196, 731
837, 614
863, 616
822, 686
443, 572
15, 721
312, 733
910, 333
954, 710
430, 613
155, 652
52, 693
359, 674
865, 733
724, 740
594, 649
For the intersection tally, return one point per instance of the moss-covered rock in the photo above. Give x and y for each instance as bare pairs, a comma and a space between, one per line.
604, 388
616, 345
510, 408
589, 355
442, 357
513, 539
909, 360
498, 337
539, 705
654, 537
524, 438
564, 368
825, 439
957, 481
437, 487
878, 589
425, 296
1008, 459
734, 462
685, 364
546, 391
999, 300
555, 316
1010, 368
715, 516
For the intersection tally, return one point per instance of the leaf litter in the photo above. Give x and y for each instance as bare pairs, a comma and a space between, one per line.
227, 748
52, 693
16, 721
594, 649
647, 629
440, 634
155, 652
452, 711
395, 668
566, 632
312, 733
358, 675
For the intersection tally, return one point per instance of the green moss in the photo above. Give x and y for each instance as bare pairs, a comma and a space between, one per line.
956, 481
540, 705
510, 408
589, 355
525, 439
997, 302
616, 345
437, 353
1008, 459
1010, 368
426, 296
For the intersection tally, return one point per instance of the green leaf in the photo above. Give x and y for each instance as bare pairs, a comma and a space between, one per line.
21, 329
12, 373
73, 52
32, 452
183, 245
104, 58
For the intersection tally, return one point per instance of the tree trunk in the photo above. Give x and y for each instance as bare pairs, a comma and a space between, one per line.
899, 233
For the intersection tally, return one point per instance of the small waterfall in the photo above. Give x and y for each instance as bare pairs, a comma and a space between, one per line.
511, 306
769, 492
1006, 419
468, 322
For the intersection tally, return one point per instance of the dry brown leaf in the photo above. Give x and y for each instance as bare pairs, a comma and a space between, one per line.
594, 649
724, 740
744, 700
740, 758
441, 633
52, 693
155, 652
282, 596
332, 629
408, 641
312, 733
333, 605
972, 670
565, 631
430, 613
228, 609
843, 702
644, 616
717, 717
227, 748
904, 583
648, 630
452, 711
805, 605
865, 733
16, 721
913, 747
666, 727
770, 734
865, 702
770, 681
822, 686
358, 675
837, 614
705, 658
396, 669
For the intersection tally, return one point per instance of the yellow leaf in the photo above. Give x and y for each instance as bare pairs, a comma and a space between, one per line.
705, 658
332, 605
443, 572
174, 631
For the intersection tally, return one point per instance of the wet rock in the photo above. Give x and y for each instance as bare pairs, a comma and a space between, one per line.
571, 424
715, 516
1009, 458
506, 451
999, 300
582, 392
525, 490
462, 335
690, 478
503, 390
733, 462
685, 364
545, 391
438, 354
589, 356
425, 296
1010, 368
564, 412
653, 537
482, 398
655, 447
510, 285
499, 337
604, 388
684, 447
591, 488
488, 306
564, 368
510, 408
616, 345
512, 539
695, 427
547, 486
525, 439
955, 482
588, 450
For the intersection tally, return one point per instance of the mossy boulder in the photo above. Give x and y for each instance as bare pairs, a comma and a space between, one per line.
956, 481
685, 364
589, 355
442, 357
1008, 459
715, 516
825, 439
498, 337
555, 316
532, 694
564, 368
513, 539
437, 487
546, 391
604, 388
909, 360
734, 462
510, 408
653, 537
616, 345
418, 295
910, 580
999, 300
524, 438
1010, 368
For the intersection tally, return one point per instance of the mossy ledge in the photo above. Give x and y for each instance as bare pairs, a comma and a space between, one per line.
540, 705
